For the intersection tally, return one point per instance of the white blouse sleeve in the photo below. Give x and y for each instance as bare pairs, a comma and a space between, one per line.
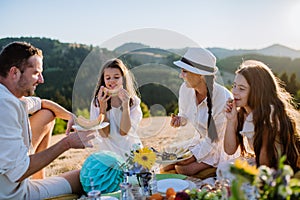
136, 114
182, 102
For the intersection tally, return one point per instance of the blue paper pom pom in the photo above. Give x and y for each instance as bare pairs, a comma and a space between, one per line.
102, 171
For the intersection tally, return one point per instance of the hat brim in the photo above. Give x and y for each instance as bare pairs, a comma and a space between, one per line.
194, 70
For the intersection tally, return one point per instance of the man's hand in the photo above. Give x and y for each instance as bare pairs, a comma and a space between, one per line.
71, 122
80, 139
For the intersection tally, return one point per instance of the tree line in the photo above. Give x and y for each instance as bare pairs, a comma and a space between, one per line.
71, 71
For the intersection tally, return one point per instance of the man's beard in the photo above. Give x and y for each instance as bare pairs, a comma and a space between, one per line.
29, 92
23, 86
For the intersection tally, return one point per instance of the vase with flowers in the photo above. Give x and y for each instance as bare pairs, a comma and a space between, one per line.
139, 163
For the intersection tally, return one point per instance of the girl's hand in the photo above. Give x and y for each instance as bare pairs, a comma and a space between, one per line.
103, 97
124, 97
230, 109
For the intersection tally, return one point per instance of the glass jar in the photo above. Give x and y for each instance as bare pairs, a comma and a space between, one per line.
153, 183
126, 192
94, 195
144, 182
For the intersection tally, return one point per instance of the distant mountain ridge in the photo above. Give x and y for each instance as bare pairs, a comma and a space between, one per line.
63, 60
276, 50
273, 50
127, 47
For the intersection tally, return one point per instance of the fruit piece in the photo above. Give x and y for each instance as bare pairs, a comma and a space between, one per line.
85, 123
156, 196
182, 196
170, 192
114, 92
171, 197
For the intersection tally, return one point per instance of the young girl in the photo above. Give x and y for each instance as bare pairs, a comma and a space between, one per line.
115, 98
261, 119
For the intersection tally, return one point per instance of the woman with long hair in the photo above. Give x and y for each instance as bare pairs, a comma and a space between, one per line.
261, 119
201, 102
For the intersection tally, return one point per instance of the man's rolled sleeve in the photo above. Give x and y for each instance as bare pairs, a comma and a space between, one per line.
33, 104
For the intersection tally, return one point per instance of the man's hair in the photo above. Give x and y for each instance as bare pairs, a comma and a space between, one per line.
16, 54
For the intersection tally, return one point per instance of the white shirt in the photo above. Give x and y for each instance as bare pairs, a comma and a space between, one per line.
115, 141
201, 146
248, 132
15, 139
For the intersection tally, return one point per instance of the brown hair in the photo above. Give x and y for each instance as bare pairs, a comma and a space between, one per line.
16, 54
279, 123
128, 80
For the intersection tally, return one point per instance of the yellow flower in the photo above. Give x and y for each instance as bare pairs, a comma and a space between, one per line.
145, 157
244, 165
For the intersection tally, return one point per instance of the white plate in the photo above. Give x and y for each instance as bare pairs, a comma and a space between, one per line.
168, 162
100, 126
177, 184
108, 198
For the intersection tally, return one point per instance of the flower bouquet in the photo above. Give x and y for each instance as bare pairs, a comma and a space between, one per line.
266, 183
139, 163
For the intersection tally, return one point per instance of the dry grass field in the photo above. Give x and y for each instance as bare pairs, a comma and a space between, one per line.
154, 132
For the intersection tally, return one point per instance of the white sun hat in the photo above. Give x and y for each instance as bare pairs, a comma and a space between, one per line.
199, 61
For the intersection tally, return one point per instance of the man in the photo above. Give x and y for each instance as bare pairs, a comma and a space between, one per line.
20, 73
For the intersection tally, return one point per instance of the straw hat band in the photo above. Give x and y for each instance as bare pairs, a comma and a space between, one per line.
197, 65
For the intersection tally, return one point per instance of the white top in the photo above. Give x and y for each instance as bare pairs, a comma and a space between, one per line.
115, 141
201, 146
248, 132
15, 139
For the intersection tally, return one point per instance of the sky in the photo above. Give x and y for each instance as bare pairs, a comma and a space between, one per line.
231, 24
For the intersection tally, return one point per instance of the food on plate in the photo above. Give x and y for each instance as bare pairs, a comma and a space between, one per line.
179, 153
164, 155
205, 193
86, 123
185, 155
156, 196
168, 156
182, 196
170, 192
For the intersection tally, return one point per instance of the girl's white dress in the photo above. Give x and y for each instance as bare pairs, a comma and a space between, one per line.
115, 142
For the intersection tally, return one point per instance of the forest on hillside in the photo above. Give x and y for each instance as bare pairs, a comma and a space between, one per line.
71, 73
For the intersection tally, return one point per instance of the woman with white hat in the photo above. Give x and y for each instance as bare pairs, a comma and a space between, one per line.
201, 103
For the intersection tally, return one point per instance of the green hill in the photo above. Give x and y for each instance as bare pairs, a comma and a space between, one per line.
71, 71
